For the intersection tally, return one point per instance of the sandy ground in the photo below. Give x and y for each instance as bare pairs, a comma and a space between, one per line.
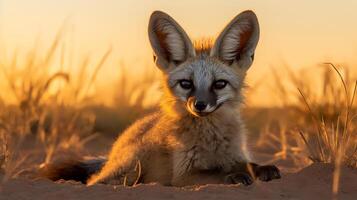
313, 182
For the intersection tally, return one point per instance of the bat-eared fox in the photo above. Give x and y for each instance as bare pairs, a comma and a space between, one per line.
197, 135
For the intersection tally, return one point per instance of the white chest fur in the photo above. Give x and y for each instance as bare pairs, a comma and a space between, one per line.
205, 148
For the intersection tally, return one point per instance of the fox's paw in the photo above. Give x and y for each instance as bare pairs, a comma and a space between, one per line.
239, 178
267, 173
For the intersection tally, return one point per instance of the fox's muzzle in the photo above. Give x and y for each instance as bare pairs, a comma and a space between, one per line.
200, 107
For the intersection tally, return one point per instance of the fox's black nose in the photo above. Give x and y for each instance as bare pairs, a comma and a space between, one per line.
200, 105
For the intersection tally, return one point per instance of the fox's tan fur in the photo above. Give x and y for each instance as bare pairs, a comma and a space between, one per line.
176, 145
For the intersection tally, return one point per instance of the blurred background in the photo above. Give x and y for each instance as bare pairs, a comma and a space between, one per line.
298, 34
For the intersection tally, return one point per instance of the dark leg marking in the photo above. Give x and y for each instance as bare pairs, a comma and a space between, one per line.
239, 178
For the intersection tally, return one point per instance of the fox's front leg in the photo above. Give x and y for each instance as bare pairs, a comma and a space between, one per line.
246, 173
117, 175
122, 168
266, 172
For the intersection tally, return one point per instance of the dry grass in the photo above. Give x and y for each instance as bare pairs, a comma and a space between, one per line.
336, 142
50, 114
39, 113
315, 122
334, 138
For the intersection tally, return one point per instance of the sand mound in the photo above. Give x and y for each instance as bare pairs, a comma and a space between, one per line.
313, 182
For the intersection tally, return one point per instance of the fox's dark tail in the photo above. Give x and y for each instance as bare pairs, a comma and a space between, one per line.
71, 169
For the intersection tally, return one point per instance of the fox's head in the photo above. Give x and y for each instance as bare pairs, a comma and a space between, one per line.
201, 79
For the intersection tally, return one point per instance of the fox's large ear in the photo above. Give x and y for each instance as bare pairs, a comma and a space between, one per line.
169, 41
237, 42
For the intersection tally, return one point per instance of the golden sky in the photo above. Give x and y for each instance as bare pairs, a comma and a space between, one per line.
300, 33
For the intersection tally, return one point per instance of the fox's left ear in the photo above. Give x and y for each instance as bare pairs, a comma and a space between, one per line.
237, 42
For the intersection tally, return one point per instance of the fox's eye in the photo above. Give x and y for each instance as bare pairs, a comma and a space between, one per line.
220, 84
186, 84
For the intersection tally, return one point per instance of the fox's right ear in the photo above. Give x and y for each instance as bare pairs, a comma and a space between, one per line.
237, 42
169, 41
